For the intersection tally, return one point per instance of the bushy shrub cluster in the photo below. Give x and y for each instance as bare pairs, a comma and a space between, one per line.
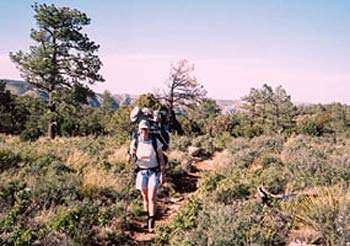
45, 193
66, 191
311, 173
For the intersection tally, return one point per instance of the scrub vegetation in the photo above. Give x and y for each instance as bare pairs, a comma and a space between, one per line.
268, 172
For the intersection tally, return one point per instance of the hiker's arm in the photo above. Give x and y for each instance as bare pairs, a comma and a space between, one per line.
132, 148
161, 160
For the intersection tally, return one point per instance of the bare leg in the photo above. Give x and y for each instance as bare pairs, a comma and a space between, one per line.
152, 201
145, 199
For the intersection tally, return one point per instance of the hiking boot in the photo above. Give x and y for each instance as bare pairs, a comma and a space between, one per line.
145, 224
150, 223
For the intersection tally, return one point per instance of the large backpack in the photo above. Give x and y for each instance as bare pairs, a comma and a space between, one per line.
157, 127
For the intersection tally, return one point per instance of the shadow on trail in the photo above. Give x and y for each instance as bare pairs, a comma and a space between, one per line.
184, 182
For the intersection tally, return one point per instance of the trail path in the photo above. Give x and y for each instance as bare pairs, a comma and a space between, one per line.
185, 185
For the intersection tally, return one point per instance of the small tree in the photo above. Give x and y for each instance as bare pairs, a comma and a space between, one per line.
203, 117
7, 110
63, 56
149, 101
119, 124
269, 110
183, 91
109, 104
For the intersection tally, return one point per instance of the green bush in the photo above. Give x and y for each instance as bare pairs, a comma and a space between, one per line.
240, 223
8, 159
31, 133
53, 190
78, 222
16, 213
8, 191
228, 195
184, 220
181, 142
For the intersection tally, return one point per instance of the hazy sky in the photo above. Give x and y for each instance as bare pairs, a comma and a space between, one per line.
303, 45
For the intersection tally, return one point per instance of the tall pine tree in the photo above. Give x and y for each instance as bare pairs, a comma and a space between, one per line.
63, 57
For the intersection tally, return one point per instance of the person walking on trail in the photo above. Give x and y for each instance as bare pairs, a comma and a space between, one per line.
150, 167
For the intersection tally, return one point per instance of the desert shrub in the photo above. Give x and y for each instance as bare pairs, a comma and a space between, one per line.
15, 228
16, 213
245, 152
223, 140
184, 220
32, 132
71, 190
40, 164
180, 142
312, 162
327, 213
63, 178
230, 193
52, 190
75, 222
268, 143
244, 158
268, 159
8, 191
211, 182
78, 222
205, 142
240, 223
274, 178
8, 159
19, 236
238, 144
315, 125
261, 144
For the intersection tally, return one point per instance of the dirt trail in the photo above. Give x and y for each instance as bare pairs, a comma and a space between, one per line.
184, 185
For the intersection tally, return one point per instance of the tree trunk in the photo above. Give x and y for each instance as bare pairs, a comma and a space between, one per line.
175, 124
52, 128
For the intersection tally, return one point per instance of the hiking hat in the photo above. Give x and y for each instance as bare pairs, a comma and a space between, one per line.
144, 125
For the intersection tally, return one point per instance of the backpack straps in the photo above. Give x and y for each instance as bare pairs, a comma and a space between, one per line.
154, 145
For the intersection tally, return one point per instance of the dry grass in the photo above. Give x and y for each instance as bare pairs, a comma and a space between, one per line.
222, 159
78, 159
303, 236
115, 226
119, 155
177, 155
45, 215
94, 179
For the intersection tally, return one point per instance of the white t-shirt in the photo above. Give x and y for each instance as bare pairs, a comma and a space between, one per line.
146, 156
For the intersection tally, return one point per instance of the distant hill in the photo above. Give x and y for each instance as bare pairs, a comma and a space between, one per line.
18, 87
22, 88
229, 106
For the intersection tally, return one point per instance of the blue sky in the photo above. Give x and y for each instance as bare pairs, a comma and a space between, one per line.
235, 45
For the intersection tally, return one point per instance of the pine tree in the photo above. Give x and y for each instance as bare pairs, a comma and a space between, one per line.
62, 58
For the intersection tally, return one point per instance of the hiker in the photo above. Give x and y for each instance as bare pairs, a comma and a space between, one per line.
157, 121
148, 157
